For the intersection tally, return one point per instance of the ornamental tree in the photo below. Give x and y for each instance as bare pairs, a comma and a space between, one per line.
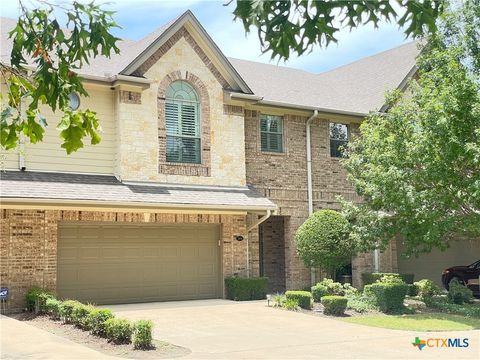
418, 166
43, 69
323, 241
286, 27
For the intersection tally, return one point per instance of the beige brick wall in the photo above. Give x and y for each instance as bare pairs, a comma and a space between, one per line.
28, 251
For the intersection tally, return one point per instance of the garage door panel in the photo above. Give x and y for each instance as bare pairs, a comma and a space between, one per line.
111, 263
430, 265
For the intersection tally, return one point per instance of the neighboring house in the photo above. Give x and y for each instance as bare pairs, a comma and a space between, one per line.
201, 173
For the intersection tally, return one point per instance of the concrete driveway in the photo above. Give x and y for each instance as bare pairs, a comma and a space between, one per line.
221, 329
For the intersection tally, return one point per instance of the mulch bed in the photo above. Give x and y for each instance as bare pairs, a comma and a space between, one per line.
160, 350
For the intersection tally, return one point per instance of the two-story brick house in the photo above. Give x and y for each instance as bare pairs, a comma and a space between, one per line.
202, 172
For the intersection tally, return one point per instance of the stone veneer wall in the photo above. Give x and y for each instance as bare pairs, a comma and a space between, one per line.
28, 244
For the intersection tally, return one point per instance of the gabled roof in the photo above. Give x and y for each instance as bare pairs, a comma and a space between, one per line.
356, 88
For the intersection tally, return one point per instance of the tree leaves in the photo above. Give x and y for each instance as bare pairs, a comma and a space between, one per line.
418, 166
55, 54
286, 27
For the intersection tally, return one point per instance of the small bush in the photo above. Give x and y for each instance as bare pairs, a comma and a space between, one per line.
241, 289
391, 279
52, 306
360, 303
118, 331
304, 298
458, 294
334, 305
80, 315
370, 278
319, 291
97, 319
388, 297
40, 295
291, 304
142, 334
329, 287
426, 288
278, 300
66, 310
467, 310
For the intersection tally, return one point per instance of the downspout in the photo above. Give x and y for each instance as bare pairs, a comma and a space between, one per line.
309, 179
376, 260
255, 224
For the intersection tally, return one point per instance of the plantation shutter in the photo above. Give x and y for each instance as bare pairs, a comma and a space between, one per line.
182, 124
271, 133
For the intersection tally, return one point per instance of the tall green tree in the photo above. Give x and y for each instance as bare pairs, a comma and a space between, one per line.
418, 165
296, 26
43, 69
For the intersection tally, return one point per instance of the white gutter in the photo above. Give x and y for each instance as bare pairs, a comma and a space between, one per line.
132, 204
309, 178
260, 101
258, 222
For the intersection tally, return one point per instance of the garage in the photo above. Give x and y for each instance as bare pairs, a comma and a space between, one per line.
431, 265
105, 263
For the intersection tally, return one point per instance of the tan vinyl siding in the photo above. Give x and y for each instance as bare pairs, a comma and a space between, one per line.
49, 156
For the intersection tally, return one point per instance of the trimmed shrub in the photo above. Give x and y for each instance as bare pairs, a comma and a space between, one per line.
303, 298
118, 331
370, 278
319, 291
142, 334
458, 294
37, 294
334, 305
426, 288
52, 306
241, 289
387, 296
291, 304
97, 319
80, 315
66, 310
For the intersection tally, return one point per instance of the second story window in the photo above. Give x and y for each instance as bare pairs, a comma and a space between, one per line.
338, 139
271, 133
182, 123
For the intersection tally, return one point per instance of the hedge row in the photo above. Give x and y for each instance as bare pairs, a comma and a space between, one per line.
241, 289
100, 322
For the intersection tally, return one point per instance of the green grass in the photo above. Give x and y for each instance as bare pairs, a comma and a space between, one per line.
418, 322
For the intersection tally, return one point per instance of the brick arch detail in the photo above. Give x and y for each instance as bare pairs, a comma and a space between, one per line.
164, 167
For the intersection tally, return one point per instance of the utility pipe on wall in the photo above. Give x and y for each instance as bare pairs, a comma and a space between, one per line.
309, 178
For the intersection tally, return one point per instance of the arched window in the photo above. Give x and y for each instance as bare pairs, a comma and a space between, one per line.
182, 123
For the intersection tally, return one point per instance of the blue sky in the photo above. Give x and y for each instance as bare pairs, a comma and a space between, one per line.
140, 17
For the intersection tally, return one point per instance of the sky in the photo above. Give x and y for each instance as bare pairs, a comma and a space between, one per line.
140, 17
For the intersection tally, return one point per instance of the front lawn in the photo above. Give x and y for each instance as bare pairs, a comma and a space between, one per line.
417, 322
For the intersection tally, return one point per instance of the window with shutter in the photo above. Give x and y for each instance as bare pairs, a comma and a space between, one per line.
338, 139
271, 133
182, 123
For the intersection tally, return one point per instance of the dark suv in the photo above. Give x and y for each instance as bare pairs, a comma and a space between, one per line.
467, 275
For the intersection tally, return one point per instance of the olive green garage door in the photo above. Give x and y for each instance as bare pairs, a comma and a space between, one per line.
431, 265
112, 263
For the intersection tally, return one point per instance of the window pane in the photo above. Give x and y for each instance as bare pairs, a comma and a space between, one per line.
171, 118
183, 150
336, 148
189, 120
271, 133
338, 131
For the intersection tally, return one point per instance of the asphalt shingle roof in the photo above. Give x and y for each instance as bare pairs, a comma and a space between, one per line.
108, 189
358, 87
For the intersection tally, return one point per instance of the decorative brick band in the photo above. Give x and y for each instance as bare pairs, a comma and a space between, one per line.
130, 97
164, 167
233, 110
198, 50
